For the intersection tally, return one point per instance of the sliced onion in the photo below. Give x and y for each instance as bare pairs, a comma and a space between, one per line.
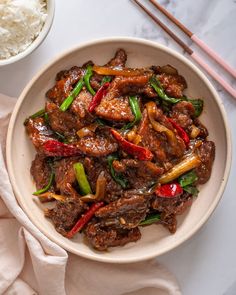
100, 190
133, 137
152, 109
190, 162
194, 131
49, 195
87, 130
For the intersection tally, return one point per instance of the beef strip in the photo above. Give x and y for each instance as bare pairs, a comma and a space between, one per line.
116, 109
81, 103
72, 73
65, 214
182, 113
206, 153
173, 84
113, 189
167, 69
101, 238
96, 81
65, 123
149, 92
65, 81
124, 213
80, 106
170, 207
119, 60
128, 85
65, 176
97, 146
151, 139
38, 132
41, 171
174, 206
140, 174
115, 106
169, 221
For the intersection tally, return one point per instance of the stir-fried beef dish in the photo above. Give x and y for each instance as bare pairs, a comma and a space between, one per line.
117, 149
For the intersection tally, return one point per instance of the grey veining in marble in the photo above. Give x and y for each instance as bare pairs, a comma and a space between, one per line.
205, 264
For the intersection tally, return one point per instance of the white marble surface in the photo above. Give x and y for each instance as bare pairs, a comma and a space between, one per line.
206, 264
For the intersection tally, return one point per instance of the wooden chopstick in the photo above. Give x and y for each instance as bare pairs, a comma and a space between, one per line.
195, 39
194, 56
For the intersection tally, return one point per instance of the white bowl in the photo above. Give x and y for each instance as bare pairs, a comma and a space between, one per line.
39, 39
155, 239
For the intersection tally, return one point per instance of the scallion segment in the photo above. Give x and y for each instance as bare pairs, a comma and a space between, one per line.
188, 178
106, 79
75, 92
198, 106
134, 104
38, 114
88, 74
160, 91
81, 177
47, 187
187, 182
151, 219
116, 176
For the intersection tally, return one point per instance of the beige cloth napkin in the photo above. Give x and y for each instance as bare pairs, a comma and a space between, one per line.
31, 264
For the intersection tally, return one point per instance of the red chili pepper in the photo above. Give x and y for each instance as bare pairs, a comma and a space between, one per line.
84, 219
170, 190
98, 96
137, 151
180, 132
56, 148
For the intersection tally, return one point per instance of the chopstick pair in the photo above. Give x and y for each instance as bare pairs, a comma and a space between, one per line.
199, 42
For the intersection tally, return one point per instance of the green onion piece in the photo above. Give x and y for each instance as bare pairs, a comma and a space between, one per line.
61, 137
188, 178
68, 101
197, 103
191, 190
198, 106
38, 114
133, 101
82, 179
160, 91
46, 118
106, 79
166, 107
150, 219
47, 187
100, 122
117, 177
88, 74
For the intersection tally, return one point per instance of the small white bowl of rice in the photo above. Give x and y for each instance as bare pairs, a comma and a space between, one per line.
24, 24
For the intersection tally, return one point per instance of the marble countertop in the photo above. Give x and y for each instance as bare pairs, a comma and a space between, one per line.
205, 264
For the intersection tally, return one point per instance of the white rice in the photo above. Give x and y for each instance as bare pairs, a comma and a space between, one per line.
20, 23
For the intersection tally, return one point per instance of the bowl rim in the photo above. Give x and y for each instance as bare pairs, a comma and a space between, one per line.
217, 99
38, 40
